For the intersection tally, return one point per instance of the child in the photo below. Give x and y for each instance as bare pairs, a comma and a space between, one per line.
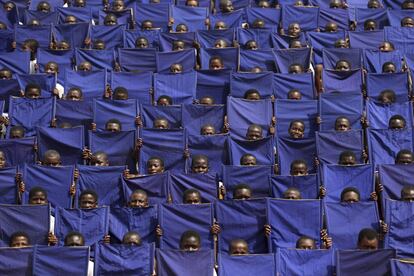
220, 43
31, 45
248, 160
254, 132
2, 160
181, 28
336, 4
370, 25
220, 25
342, 65
176, 68
404, 157
53, 69
373, 4
295, 44
331, 27
242, 192
387, 96
191, 196
138, 199
258, 24
132, 238
85, 66
251, 45
99, 159
292, 193
110, 20
74, 239
226, 6
88, 199
120, 93
347, 158
74, 94
350, 195
63, 45
191, 3
386, 46
147, 25
368, 239
113, 125
43, 6
65, 125
141, 43
296, 68
342, 124
407, 193
294, 30
17, 132
190, 241
208, 130
294, 94
207, 100
407, 22
199, 164
70, 19
32, 91
388, 68
19, 240
252, 94
51, 158
178, 45
155, 165
298, 168
341, 44
161, 123
396, 122
306, 243
407, 5
98, 45
297, 129
38, 196
238, 247
5, 74
216, 63
118, 5
164, 100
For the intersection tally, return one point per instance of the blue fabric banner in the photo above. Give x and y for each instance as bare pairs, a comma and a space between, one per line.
99, 59
261, 149
393, 178
92, 84
263, 264
113, 36
367, 40
397, 82
8, 188
159, 16
229, 57
123, 110
374, 59
331, 56
18, 151
307, 17
180, 87
264, 59
130, 36
208, 38
75, 34
241, 82
166, 40
308, 185
379, 114
322, 40
206, 184
342, 81
284, 83
286, 57
173, 114
155, 185
74, 112
16, 261
289, 150
186, 58
401, 267
196, 116
193, 17
42, 34
137, 84
18, 62
178, 262
64, 59
137, 60
213, 83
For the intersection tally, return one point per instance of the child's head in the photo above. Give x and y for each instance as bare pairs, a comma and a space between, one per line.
238, 247
43, 6
331, 27
220, 43
120, 93
387, 96
63, 45
342, 124
17, 132
38, 196
254, 132
292, 193
294, 94
389, 67
251, 45
368, 239
342, 65
347, 158
110, 20
248, 160
256, 70
190, 241
207, 100
113, 125
181, 28
298, 168
407, 22
341, 43
2, 159
85, 66
65, 125
295, 44
118, 5
373, 4
9, 6
263, 4
208, 130
297, 129
296, 68
176, 68
164, 100
259, 24
31, 45
386, 46
252, 94
199, 164
141, 43
33, 22
242, 192
350, 195
19, 240
88, 199
51, 68
51, 158
396, 122
155, 165
32, 91
70, 19
216, 63
336, 4
370, 25
161, 123
226, 6
74, 94
98, 44
132, 238
5, 74
74, 239
178, 45
220, 25
407, 5
138, 199
407, 193
404, 157
100, 159
294, 29
191, 196
191, 3
147, 25
305, 242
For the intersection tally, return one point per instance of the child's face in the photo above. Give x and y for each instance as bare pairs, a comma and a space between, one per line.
331, 27
154, 166
192, 198
74, 95
87, 201
146, 25
208, 130
70, 19
341, 43
251, 45
248, 160
220, 43
291, 194
19, 241
220, 25
176, 68
299, 169
132, 240
297, 130
407, 5
342, 124
141, 43
264, 4
404, 158
397, 124
370, 26
52, 160
366, 244
307, 244
242, 194
335, 4
347, 160
216, 64
226, 7
294, 95
295, 44
207, 101
110, 20
238, 248
373, 4
8, 6
190, 244
200, 165
161, 124
294, 29
163, 101
80, 3
254, 133
5, 74
99, 160
178, 45
38, 198
258, 24
2, 160
389, 68
85, 66
51, 68
32, 93
192, 3
74, 240
63, 46
113, 127
387, 97
99, 45
253, 96
350, 197
407, 22
118, 5
295, 69
181, 28
138, 200
43, 7
407, 195
16, 133
3, 26
343, 66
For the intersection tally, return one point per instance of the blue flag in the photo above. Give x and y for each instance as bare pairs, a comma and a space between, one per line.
206, 184
261, 149
393, 178
284, 83
208, 38
113, 36
308, 185
338, 16
366, 40
123, 110
379, 114
264, 59
263, 264
47, 82
83, 14
166, 40
18, 151
159, 16
307, 17
137, 59
331, 56
289, 150
271, 17
155, 185
193, 17
196, 116
153, 37
397, 82
76, 113
42, 34
262, 37
92, 84
322, 40
99, 59
16, 261
342, 81
401, 267
172, 113
232, 19
75, 34
64, 59
378, 15
241, 82
186, 58
229, 57
286, 57
374, 59
8, 188
18, 62
213, 83
138, 85
180, 87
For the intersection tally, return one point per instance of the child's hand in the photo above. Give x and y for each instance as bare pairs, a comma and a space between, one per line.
215, 229
18, 177
72, 190
55, 92
51, 238
380, 188
383, 226
318, 120
327, 243
22, 187
4, 120
222, 192
158, 231
374, 196
126, 173
324, 234
88, 41
93, 125
322, 192
186, 153
138, 121
86, 153
53, 123
107, 239
76, 174
267, 230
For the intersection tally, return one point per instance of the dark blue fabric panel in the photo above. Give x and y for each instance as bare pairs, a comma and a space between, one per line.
16, 261
6, 40
8, 189
331, 56
159, 15
150, 113
261, 149
93, 84
113, 36
283, 41
263, 264
47, 82
232, 20
261, 36
393, 178
166, 40
366, 40
100, 59
75, 34
130, 36
123, 17
379, 114
208, 38
75, 112
18, 62
271, 17
374, 59
155, 185
137, 84
229, 56
395, 16
53, 4
82, 14
321, 40
308, 185
10, 18
193, 17
241, 82
287, 57
289, 149
213, 83
178, 262
180, 87
123, 110
307, 17
401, 267
42, 34
187, 59
206, 184
397, 82
263, 59
64, 59
8, 88
342, 81
18, 151
283, 83
378, 15
338, 16
196, 116
137, 59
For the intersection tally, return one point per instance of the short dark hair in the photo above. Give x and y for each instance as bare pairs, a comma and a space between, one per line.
302, 238
73, 234
89, 192
191, 191
367, 233
35, 190
346, 153
157, 158
297, 162
19, 234
349, 189
241, 187
188, 234
32, 86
